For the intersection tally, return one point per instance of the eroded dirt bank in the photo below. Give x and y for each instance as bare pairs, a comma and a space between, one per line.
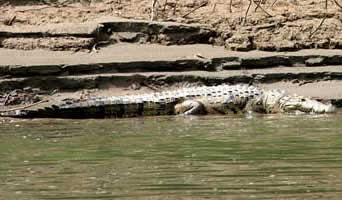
274, 26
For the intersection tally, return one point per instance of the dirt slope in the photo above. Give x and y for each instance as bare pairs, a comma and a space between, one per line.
279, 26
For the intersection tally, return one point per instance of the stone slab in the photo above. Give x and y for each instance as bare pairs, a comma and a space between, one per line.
297, 75
52, 30
153, 58
101, 29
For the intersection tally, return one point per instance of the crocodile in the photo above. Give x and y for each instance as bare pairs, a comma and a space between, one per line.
222, 99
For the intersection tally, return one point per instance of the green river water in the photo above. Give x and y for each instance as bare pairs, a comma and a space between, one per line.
209, 157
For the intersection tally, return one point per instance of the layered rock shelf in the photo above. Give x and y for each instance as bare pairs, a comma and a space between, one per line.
129, 58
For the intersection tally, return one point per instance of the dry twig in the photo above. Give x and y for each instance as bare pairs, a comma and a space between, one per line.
165, 4
198, 7
249, 6
24, 107
28, 106
61, 5
34, 9
154, 2
7, 98
259, 6
10, 21
274, 2
3, 4
338, 4
319, 26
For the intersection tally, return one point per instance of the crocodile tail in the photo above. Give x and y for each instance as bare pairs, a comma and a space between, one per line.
96, 110
110, 110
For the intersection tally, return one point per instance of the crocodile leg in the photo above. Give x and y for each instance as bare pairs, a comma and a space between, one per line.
190, 107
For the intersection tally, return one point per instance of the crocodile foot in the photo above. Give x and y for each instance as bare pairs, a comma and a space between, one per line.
190, 107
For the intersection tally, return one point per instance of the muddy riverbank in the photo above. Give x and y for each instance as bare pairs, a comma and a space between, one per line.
57, 51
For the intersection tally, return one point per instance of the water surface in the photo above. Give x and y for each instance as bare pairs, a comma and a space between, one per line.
212, 157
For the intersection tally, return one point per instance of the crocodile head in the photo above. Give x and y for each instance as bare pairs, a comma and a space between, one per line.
304, 104
274, 101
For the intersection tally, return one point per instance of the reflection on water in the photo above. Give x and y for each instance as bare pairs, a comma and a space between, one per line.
213, 157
